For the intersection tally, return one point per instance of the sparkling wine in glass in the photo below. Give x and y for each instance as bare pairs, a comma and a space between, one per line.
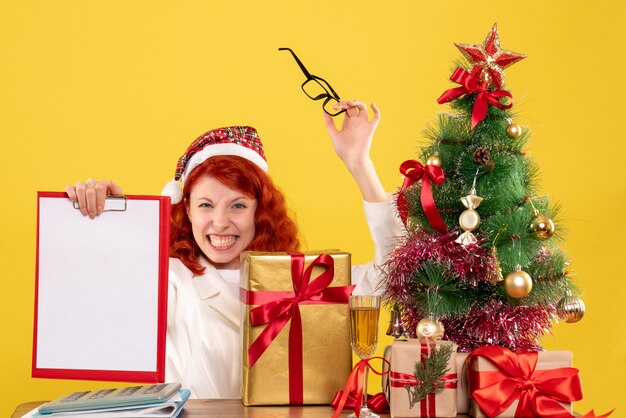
364, 312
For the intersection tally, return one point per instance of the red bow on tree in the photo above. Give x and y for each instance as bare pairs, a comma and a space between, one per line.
484, 97
414, 171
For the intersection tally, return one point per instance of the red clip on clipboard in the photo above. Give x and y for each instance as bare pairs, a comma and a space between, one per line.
101, 290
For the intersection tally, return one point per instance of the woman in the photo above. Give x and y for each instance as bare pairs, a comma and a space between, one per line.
227, 205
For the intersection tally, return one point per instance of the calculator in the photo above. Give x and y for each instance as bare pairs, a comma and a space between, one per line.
111, 398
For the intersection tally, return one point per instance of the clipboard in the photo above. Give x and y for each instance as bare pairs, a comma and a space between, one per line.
101, 290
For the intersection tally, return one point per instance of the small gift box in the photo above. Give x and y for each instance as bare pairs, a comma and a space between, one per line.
296, 326
505, 384
422, 379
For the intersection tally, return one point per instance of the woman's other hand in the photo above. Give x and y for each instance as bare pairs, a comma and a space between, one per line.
91, 195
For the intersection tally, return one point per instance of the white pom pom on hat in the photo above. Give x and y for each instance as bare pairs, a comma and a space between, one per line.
241, 141
174, 191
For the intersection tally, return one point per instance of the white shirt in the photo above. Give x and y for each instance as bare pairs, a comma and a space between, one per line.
204, 340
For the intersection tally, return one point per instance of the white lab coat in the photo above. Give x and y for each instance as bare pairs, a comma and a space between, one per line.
204, 340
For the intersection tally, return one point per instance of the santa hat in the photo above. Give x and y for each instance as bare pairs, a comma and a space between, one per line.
241, 141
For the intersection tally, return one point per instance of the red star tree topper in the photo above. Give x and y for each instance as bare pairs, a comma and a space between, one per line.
490, 58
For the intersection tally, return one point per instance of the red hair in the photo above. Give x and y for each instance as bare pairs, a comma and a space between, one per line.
274, 229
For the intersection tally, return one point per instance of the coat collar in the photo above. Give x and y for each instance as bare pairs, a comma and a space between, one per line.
214, 291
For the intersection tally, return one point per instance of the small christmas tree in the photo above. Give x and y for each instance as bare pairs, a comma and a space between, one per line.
499, 277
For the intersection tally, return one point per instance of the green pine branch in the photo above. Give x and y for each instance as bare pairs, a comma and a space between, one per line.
438, 292
429, 374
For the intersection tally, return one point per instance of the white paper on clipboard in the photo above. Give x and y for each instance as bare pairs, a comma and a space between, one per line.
101, 290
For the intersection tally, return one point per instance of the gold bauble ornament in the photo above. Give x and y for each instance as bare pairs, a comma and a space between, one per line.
429, 327
435, 160
518, 283
570, 309
542, 226
513, 130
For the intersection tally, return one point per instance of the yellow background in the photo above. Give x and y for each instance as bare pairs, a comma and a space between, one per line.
119, 89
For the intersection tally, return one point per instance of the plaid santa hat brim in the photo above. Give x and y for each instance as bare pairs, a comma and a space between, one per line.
241, 141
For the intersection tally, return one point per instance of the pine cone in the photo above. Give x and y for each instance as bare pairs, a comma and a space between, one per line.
481, 155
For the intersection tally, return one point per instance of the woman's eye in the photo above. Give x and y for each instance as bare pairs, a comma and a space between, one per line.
205, 205
239, 206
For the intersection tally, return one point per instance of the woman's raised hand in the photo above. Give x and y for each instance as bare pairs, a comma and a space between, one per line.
91, 195
352, 144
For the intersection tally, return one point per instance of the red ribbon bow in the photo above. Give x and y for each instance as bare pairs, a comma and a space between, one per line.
538, 391
471, 84
413, 171
354, 387
278, 307
376, 403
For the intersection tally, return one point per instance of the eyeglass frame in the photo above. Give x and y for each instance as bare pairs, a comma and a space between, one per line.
330, 92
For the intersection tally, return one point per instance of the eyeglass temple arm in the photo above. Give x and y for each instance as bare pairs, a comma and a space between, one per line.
302, 67
310, 76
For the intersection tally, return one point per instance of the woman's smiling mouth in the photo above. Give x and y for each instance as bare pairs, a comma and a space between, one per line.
222, 241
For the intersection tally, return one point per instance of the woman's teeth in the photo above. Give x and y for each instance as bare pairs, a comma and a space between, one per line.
220, 241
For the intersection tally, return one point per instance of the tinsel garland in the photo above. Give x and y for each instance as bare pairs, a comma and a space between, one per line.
513, 327
517, 327
470, 263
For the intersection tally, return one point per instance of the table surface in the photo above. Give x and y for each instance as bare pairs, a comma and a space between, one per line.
201, 408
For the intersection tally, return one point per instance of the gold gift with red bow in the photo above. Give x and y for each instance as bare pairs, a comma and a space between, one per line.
507, 384
296, 326
404, 355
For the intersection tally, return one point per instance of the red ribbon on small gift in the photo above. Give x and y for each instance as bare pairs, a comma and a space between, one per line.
538, 391
276, 308
471, 84
400, 380
413, 171
428, 406
354, 388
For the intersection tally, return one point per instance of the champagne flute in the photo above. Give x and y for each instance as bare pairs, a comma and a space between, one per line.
364, 311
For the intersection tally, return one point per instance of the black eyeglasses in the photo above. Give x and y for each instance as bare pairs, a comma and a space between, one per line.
317, 88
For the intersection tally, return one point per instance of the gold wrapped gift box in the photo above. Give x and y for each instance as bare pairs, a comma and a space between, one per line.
326, 352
